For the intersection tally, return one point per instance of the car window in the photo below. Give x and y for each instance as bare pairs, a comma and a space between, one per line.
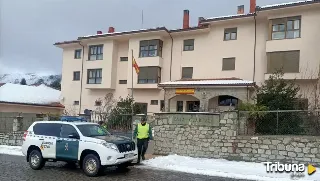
91, 130
67, 130
47, 129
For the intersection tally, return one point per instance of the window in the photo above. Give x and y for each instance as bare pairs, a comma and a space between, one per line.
285, 28
122, 81
96, 52
76, 75
154, 102
149, 75
91, 130
230, 34
188, 45
227, 101
77, 54
229, 63
143, 107
123, 59
98, 103
162, 105
47, 129
179, 106
151, 48
94, 76
287, 61
67, 130
76, 103
187, 72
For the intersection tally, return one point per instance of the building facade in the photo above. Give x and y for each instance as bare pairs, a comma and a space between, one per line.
212, 66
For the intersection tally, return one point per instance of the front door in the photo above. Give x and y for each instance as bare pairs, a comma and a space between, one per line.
193, 106
67, 148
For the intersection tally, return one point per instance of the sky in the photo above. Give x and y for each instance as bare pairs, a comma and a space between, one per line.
29, 28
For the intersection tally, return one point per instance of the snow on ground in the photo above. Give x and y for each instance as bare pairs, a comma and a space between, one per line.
11, 150
28, 94
221, 168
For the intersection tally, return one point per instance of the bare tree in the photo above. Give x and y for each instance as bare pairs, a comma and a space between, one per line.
70, 111
105, 107
311, 89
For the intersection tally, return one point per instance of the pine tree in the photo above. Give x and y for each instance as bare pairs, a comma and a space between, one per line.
279, 94
56, 84
23, 81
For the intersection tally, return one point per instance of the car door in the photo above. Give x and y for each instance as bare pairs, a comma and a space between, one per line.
46, 135
67, 148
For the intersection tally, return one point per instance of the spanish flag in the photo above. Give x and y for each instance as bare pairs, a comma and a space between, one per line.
135, 65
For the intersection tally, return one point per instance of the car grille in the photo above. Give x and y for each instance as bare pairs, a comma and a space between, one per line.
125, 147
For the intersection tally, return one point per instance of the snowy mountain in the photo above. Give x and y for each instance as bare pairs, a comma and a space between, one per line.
31, 78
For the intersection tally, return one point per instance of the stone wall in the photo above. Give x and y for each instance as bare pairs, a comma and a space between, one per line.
215, 136
11, 139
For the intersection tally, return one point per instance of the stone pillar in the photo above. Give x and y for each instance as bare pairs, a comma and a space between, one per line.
166, 101
204, 101
204, 105
17, 124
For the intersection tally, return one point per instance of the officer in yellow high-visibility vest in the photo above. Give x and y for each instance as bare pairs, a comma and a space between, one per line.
143, 133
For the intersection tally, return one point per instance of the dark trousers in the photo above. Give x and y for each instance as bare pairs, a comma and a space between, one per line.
142, 145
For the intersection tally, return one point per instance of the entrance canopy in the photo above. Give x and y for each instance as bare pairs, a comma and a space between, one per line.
208, 82
205, 90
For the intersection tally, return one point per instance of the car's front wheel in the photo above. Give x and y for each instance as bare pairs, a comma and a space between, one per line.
36, 160
91, 165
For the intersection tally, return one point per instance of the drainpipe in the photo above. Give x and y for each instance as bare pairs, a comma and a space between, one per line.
81, 83
170, 55
255, 46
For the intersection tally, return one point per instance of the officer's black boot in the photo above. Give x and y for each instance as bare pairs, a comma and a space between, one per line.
139, 158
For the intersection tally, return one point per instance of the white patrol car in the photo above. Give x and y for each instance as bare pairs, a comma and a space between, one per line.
86, 143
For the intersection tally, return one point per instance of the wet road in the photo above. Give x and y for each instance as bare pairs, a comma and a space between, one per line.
15, 168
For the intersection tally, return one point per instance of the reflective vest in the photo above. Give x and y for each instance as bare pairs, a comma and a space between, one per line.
143, 131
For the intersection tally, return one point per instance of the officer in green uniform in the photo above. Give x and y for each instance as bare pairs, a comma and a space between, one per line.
143, 133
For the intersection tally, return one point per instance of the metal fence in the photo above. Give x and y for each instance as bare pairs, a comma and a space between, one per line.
119, 124
279, 122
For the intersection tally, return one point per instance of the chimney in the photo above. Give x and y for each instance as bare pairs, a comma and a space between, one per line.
111, 29
99, 32
241, 9
199, 21
185, 19
253, 4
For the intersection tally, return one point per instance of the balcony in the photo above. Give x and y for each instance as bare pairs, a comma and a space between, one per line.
95, 86
150, 61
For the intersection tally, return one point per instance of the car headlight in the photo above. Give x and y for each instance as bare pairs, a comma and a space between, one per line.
110, 145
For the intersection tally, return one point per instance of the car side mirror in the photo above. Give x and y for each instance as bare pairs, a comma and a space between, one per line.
74, 136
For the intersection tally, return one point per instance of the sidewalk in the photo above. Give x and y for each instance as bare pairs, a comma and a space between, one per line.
223, 168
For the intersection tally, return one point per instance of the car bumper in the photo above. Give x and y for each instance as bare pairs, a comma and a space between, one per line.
119, 158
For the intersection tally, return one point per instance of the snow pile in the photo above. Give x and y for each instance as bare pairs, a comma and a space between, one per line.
221, 168
228, 16
31, 78
11, 150
17, 93
288, 3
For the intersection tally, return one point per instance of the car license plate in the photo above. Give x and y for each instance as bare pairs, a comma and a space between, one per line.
130, 155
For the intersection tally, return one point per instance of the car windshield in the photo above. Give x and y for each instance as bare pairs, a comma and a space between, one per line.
91, 130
